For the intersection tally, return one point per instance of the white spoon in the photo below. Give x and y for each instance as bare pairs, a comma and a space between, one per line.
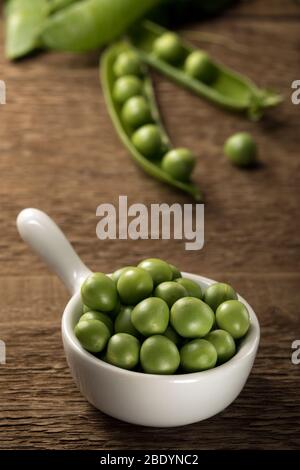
149, 400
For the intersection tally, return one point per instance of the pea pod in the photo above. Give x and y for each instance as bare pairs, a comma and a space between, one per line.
229, 89
59, 4
90, 24
153, 168
24, 22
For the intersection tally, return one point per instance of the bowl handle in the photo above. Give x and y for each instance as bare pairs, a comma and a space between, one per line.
47, 240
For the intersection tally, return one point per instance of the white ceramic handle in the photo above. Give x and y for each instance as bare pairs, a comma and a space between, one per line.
47, 240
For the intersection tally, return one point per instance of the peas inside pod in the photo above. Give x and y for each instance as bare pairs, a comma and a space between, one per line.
197, 64
149, 318
196, 70
138, 115
130, 98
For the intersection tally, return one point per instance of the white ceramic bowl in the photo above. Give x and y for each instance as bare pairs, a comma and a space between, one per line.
144, 399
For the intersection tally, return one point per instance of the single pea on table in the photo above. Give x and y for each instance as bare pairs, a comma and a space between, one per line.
241, 149
150, 319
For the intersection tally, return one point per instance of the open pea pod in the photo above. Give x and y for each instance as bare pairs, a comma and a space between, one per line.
153, 168
229, 89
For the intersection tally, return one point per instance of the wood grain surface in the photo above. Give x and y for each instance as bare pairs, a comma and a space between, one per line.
60, 153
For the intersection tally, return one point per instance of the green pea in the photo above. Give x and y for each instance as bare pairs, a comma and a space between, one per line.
193, 289
241, 149
151, 316
175, 272
159, 270
94, 315
168, 48
113, 313
136, 112
134, 285
128, 63
92, 334
198, 355
123, 323
200, 66
217, 293
170, 291
123, 351
159, 355
171, 334
191, 317
224, 344
85, 309
99, 292
148, 141
126, 87
233, 317
116, 275
102, 355
179, 163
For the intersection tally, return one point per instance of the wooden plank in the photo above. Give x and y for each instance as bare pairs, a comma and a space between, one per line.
276, 9
41, 406
59, 152
76, 121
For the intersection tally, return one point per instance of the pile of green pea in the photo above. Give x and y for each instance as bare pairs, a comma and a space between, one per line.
137, 117
151, 319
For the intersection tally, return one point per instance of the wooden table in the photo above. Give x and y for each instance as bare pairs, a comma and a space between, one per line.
60, 153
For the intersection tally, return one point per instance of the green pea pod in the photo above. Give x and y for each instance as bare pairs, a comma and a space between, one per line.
59, 4
230, 89
24, 22
90, 24
152, 168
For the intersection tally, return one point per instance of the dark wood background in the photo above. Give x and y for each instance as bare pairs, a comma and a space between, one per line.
60, 153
